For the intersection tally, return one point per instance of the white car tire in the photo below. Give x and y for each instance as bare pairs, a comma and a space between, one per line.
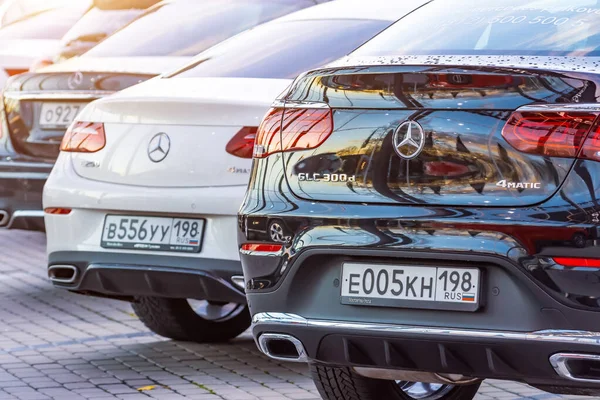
179, 320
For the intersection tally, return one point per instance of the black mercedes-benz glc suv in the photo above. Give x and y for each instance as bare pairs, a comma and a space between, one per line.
436, 195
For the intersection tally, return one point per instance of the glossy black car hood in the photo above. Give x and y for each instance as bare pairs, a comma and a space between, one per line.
461, 110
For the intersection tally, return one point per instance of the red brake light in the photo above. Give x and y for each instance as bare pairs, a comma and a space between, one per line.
267, 137
577, 262
303, 129
306, 128
555, 134
84, 137
242, 144
58, 211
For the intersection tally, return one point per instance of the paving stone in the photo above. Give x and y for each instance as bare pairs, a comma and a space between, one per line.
59, 345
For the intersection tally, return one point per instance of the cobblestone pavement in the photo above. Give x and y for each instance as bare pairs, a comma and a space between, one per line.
58, 345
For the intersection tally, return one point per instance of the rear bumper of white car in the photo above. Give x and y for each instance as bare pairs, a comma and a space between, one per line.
78, 262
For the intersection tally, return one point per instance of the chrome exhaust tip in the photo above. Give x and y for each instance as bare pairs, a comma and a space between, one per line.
238, 280
63, 274
577, 367
282, 347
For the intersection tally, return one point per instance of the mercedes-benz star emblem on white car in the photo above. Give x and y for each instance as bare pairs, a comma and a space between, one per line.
409, 140
159, 147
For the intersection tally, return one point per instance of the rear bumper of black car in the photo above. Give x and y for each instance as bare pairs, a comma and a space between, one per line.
532, 308
546, 359
125, 276
21, 187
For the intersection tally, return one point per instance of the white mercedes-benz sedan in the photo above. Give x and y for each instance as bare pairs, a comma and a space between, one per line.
142, 202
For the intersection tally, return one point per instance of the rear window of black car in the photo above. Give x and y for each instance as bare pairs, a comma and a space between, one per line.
282, 49
187, 27
509, 27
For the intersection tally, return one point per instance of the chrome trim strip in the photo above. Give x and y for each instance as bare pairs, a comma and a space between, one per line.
59, 280
553, 336
11, 163
305, 104
559, 363
264, 339
25, 214
24, 175
262, 253
70, 95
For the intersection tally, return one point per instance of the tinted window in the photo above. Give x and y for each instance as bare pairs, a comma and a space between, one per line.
187, 27
283, 49
510, 27
47, 25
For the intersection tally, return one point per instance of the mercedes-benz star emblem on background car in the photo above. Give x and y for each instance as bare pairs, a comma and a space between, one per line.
409, 140
159, 147
75, 80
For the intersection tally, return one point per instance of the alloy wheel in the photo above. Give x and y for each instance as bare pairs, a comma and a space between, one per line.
215, 311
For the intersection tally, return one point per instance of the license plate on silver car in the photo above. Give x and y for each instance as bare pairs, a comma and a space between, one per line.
384, 285
58, 115
152, 233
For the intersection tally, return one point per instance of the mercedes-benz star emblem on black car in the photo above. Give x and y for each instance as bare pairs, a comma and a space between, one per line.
409, 140
75, 80
159, 147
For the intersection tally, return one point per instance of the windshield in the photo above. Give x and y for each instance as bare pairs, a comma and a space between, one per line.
509, 27
282, 49
187, 27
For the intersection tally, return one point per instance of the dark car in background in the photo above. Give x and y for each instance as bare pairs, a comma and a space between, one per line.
30, 30
38, 107
103, 19
437, 196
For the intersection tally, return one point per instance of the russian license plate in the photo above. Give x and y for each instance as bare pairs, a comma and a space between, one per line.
58, 115
152, 233
439, 288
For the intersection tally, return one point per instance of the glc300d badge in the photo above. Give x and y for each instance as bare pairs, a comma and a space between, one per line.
409, 140
159, 147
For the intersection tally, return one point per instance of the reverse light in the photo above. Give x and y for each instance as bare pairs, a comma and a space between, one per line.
261, 249
58, 211
242, 144
292, 129
84, 137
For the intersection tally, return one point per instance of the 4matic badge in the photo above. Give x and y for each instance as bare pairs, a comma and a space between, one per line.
519, 185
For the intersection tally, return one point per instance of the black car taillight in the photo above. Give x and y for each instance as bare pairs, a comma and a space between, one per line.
300, 128
554, 134
242, 144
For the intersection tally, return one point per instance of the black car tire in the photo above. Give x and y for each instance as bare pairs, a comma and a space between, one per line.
341, 383
175, 319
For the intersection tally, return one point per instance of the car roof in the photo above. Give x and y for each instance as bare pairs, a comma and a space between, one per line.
385, 10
